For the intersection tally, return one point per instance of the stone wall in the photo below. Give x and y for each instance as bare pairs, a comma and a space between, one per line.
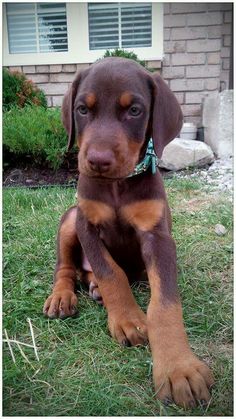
196, 62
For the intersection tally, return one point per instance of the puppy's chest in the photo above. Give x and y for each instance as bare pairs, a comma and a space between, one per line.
140, 214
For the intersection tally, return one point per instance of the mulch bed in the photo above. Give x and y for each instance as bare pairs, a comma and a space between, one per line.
38, 177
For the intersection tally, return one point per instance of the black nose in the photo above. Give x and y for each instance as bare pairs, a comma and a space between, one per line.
100, 161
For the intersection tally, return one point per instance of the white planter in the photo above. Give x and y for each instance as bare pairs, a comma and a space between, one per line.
188, 131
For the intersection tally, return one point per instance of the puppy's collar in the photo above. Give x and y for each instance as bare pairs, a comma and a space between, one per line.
150, 160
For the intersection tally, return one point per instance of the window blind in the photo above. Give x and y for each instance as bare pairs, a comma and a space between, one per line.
120, 25
36, 27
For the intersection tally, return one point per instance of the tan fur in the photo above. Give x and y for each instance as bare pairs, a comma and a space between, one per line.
125, 99
95, 211
145, 214
90, 100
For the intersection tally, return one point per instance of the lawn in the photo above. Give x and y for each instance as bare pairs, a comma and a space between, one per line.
78, 370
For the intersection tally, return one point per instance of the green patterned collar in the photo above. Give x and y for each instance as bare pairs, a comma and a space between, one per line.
150, 159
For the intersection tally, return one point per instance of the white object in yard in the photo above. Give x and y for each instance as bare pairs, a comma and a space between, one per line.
188, 131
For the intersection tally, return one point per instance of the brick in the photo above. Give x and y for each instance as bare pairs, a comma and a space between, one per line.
167, 34
226, 6
188, 59
69, 68
154, 64
179, 85
194, 98
214, 6
188, 33
191, 110
42, 68
225, 52
227, 41
49, 101
39, 78
188, 7
166, 60
228, 17
62, 77
54, 88
203, 71
213, 58
180, 97
211, 84
197, 120
174, 72
214, 31
166, 8
81, 67
226, 29
57, 100
226, 64
55, 68
204, 45
204, 19
29, 69
174, 46
15, 68
173, 21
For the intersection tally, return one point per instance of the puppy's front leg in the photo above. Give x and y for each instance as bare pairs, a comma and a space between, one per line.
178, 374
126, 320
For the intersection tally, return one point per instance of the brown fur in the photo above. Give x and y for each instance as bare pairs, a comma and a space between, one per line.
122, 223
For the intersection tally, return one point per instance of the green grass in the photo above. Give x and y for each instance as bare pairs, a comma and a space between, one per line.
81, 371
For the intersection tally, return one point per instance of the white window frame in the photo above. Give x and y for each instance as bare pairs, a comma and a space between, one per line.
78, 52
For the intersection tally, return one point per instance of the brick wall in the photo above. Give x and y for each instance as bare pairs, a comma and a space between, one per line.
196, 52
196, 62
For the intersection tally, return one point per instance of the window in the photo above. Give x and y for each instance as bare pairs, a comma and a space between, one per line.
77, 32
119, 25
36, 27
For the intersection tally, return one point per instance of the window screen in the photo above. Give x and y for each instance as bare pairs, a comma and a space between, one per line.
120, 25
37, 27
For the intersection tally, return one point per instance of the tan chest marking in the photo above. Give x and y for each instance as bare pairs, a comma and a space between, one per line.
145, 214
95, 211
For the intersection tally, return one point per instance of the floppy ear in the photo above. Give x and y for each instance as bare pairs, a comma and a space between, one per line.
167, 117
68, 111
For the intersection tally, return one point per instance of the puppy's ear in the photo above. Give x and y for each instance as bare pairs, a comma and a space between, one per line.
167, 117
68, 111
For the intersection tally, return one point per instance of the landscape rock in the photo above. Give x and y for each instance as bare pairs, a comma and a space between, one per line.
181, 153
220, 230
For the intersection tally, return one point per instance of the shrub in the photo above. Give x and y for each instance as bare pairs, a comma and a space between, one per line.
37, 132
125, 54
19, 91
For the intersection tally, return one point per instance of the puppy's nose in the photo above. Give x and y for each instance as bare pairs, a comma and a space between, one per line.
100, 161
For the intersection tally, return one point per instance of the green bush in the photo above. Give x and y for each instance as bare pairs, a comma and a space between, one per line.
19, 91
37, 132
124, 54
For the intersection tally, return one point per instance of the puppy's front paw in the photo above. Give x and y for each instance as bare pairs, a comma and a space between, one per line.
186, 380
61, 304
129, 328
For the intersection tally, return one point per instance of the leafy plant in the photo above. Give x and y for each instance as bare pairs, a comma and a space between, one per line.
37, 132
19, 91
124, 54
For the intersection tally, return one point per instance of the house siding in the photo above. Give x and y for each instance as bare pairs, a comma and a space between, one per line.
197, 39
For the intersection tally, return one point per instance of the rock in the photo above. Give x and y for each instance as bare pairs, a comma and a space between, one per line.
218, 122
220, 230
180, 153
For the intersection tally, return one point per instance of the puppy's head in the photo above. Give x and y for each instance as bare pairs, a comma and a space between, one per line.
112, 109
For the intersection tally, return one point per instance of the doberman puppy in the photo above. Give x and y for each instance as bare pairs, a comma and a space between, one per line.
121, 225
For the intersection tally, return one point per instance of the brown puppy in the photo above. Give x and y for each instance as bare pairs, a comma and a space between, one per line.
122, 224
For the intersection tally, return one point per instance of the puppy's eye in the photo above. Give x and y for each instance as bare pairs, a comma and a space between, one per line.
134, 111
83, 110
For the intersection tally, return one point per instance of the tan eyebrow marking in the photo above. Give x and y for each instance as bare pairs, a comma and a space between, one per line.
90, 100
126, 99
